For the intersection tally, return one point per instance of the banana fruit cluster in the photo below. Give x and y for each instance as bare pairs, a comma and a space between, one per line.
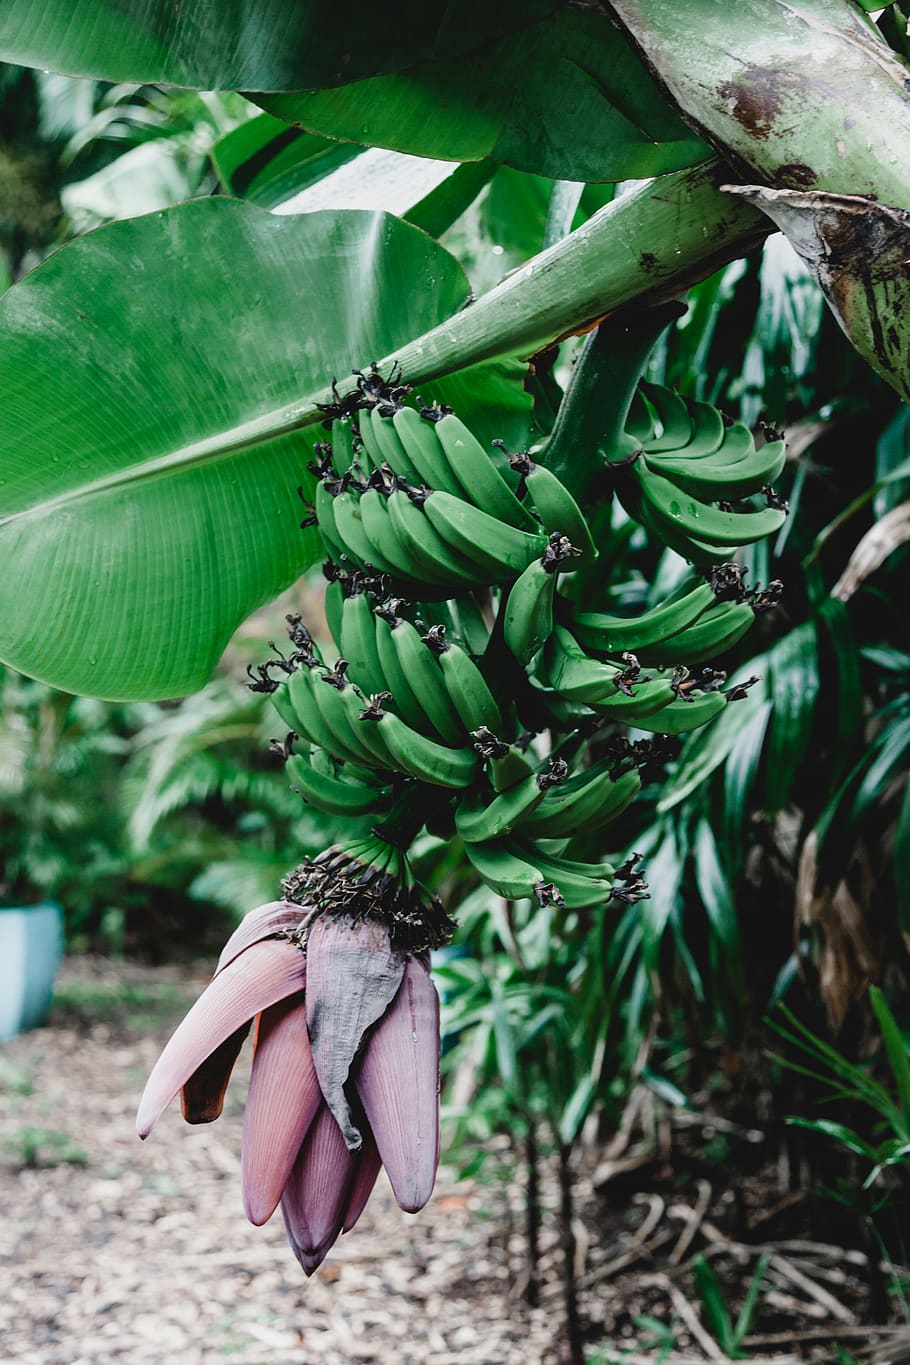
460, 648
686, 468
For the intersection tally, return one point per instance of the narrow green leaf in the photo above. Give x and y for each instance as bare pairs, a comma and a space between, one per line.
505, 1045
438, 210
793, 665
751, 1301
668, 1092
901, 862
892, 454
833, 615
896, 1049
714, 889
577, 1109
740, 774
715, 1309
705, 750
664, 873
267, 162
838, 1131
259, 45
604, 117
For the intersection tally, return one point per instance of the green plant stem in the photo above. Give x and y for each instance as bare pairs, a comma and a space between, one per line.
647, 246
593, 412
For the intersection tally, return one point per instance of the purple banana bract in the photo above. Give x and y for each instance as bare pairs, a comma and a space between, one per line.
346, 1032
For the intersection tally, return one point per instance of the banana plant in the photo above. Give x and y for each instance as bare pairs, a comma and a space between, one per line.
646, 244
203, 401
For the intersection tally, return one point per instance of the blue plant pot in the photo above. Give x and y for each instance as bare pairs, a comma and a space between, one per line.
31, 944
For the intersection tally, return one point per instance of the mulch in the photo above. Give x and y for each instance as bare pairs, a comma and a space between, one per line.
119, 1251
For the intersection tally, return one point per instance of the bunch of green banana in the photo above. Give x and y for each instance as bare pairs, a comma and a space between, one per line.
697, 624
520, 869
421, 501
456, 625
690, 459
548, 805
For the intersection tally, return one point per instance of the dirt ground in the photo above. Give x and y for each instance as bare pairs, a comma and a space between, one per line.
117, 1251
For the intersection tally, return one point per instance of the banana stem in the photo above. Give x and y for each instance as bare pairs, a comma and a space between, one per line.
406, 818
593, 412
803, 94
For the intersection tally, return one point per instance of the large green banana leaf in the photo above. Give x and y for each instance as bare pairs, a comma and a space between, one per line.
247, 44
151, 372
566, 97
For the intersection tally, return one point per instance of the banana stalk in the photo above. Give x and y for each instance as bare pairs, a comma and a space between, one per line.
808, 100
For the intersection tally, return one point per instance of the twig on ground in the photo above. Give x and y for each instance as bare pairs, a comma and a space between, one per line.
693, 1219
809, 1286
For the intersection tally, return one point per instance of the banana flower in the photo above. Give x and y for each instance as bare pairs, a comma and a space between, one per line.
345, 1072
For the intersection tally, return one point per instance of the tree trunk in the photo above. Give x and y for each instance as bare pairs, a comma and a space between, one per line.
532, 1214
575, 1353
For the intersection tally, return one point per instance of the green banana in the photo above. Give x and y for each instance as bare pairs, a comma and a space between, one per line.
616, 634
556, 507
434, 559
392, 447
349, 529
507, 762
736, 444
418, 436
344, 740
527, 618
477, 821
422, 757
369, 454
344, 453
385, 548
419, 667
708, 431
310, 725
498, 550
568, 669
481, 482
331, 794
287, 713
716, 481
465, 683
358, 643
717, 630
650, 699
642, 421
579, 884
584, 803
507, 873
334, 607
684, 715
362, 713
673, 415
396, 680
630, 493
682, 512
324, 504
